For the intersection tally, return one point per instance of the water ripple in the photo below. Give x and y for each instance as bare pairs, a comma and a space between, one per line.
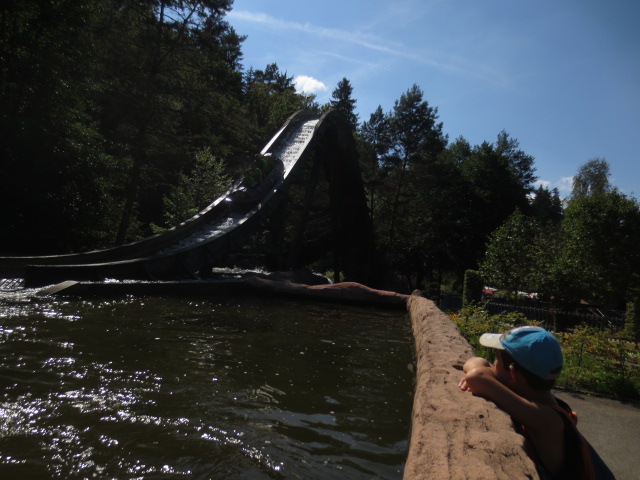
168, 388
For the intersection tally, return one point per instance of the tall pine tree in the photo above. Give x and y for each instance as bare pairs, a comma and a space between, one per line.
343, 101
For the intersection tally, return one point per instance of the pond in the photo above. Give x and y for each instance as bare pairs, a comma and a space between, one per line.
165, 388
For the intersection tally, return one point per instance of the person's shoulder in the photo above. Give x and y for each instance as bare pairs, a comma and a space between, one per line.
543, 417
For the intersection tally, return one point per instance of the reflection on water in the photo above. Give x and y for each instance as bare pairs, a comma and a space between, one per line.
171, 388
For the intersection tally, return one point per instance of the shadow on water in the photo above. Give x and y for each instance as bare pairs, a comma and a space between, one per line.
150, 387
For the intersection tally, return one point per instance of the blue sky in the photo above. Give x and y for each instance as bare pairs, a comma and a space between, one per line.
562, 77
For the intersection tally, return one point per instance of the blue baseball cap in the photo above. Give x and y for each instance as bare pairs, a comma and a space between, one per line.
533, 348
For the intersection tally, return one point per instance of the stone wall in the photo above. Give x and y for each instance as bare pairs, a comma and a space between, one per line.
455, 435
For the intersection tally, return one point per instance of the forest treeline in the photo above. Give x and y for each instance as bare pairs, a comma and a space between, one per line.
122, 117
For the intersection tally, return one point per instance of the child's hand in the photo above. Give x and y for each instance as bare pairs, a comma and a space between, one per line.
473, 364
462, 385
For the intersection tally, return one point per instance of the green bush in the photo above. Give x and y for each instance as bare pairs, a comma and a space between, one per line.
592, 361
473, 320
472, 289
595, 363
632, 323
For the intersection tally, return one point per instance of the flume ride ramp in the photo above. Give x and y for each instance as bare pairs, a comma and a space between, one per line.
305, 150
182, 251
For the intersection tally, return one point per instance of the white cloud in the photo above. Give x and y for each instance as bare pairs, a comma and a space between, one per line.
543, 183
564, 185
306, 84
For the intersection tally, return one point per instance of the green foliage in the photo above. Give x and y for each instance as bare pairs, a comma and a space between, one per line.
206, 182
104, 102
271, 98
474, 320
592, 361
632, 322
413, 140
542, 278
434, 207
472, 290
600, 258
592, 179
520, 163
595, 363
342, 100
416, 135
497, 179
439, 227
511, 258
591, 255
547, 206
373, 144
50, 144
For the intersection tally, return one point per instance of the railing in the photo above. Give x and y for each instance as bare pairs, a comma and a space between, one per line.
11, 283
559, 320
552, 317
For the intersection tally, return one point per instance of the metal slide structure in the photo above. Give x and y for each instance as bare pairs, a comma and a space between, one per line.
200, 242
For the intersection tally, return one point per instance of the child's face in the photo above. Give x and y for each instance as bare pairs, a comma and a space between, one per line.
502, 370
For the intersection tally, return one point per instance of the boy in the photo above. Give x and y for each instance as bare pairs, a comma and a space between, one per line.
528, 361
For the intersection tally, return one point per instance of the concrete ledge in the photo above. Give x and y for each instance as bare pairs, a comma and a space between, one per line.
455, 435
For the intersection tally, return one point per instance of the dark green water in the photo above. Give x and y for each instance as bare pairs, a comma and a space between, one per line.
167, 388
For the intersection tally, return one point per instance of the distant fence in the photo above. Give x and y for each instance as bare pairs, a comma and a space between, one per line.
559, 320
548, 314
